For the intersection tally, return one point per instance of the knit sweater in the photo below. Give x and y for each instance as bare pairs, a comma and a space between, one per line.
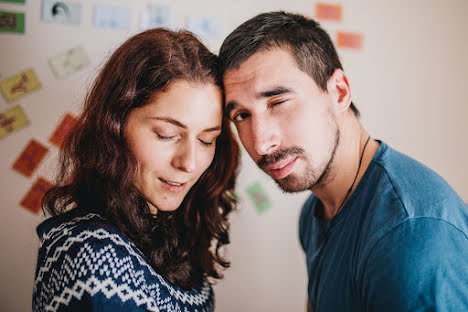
85, 264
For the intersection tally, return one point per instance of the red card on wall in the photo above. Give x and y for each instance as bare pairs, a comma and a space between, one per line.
62, 130
32, 199
330, 12
349, 40
30, 158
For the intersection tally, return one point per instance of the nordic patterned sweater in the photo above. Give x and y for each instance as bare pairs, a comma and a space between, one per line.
85, 264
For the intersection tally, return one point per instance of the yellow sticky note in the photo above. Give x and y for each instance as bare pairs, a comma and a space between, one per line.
11, 120
18, 85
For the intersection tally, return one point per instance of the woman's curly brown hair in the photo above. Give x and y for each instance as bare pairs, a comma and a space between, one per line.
97, 168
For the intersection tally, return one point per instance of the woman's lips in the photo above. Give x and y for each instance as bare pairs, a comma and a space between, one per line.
175, 187
281, 169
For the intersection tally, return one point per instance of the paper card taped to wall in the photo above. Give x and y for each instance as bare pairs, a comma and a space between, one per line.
12, 22
62, 12
330, 12
204, 27
259, 197
112, 17
11, 120
30, 158
350, 40
62, 130
18, 85
69, 62
32, 199
154, 16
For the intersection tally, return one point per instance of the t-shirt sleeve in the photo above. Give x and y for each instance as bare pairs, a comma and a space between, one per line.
420, 265
89, 275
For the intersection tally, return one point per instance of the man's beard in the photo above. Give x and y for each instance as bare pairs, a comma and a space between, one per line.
311, 177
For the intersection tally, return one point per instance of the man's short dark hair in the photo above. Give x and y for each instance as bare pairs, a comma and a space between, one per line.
309, 44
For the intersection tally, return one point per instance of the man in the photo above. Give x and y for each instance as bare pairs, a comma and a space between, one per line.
381, 232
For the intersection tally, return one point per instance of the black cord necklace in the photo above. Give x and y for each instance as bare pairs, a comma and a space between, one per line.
355, 178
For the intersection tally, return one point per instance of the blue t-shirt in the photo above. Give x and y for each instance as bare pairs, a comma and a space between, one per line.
399, 244
86, 264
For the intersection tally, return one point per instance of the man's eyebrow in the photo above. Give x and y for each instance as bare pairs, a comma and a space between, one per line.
273, 92
181, 125
230, 106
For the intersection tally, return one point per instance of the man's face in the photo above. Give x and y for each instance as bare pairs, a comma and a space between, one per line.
285, 121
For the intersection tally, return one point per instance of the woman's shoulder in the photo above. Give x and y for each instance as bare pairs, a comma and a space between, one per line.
83, 261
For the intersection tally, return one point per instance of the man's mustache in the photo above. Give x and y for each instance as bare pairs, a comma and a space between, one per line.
278, 155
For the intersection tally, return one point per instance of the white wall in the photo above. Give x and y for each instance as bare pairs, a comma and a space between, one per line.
409, 82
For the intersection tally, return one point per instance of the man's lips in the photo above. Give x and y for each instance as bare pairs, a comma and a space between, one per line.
282, 168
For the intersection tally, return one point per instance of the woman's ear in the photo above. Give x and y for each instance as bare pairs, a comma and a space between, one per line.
338, 88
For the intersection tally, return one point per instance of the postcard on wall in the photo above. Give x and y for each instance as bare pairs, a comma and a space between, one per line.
154, 16
11, 120
30, 158
259, 197
12, 22
69, 62
204, 27
349, 40
112, 17
62, 12
62, 130
18, 85
32, 199
329, 12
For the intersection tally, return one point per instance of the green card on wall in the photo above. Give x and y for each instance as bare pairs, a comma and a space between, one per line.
259, 197
14, 1
11, 22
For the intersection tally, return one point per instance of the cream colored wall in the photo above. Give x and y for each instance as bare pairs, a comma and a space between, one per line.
409, 82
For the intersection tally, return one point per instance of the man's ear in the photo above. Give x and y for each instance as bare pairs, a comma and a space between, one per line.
338, 88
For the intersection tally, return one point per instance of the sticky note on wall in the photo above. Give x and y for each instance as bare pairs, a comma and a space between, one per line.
330, 12
62, 130
18, 85
30, 158
259, 197
349, 40
11, 22
69, 62
32, 199
12, 119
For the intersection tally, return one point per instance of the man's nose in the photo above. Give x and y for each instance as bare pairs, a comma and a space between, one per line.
266, 138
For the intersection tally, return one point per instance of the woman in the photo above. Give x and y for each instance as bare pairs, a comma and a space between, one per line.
147, 179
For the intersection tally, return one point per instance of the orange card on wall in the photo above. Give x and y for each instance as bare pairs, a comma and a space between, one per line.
62, 130
30, 158
32, 199
329, 12
350, 40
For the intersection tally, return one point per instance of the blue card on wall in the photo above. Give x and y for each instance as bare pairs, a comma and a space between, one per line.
112, 17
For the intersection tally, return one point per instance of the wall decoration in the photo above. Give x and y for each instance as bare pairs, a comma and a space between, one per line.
62, 130
204, 27
18, 85
61, 12
259, 197
12, 119
112, 17
154, 16
328, 12
11, 22
350, 40
32, 199
30, 158
13, 1
69, 62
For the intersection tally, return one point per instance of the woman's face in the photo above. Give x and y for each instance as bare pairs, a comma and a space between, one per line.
173, 139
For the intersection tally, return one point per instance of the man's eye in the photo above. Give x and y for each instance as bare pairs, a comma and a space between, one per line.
277, 103
240, 117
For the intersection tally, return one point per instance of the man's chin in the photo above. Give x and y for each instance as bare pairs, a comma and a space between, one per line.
291, 185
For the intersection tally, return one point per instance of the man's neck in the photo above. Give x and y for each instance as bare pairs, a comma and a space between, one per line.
346, 168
